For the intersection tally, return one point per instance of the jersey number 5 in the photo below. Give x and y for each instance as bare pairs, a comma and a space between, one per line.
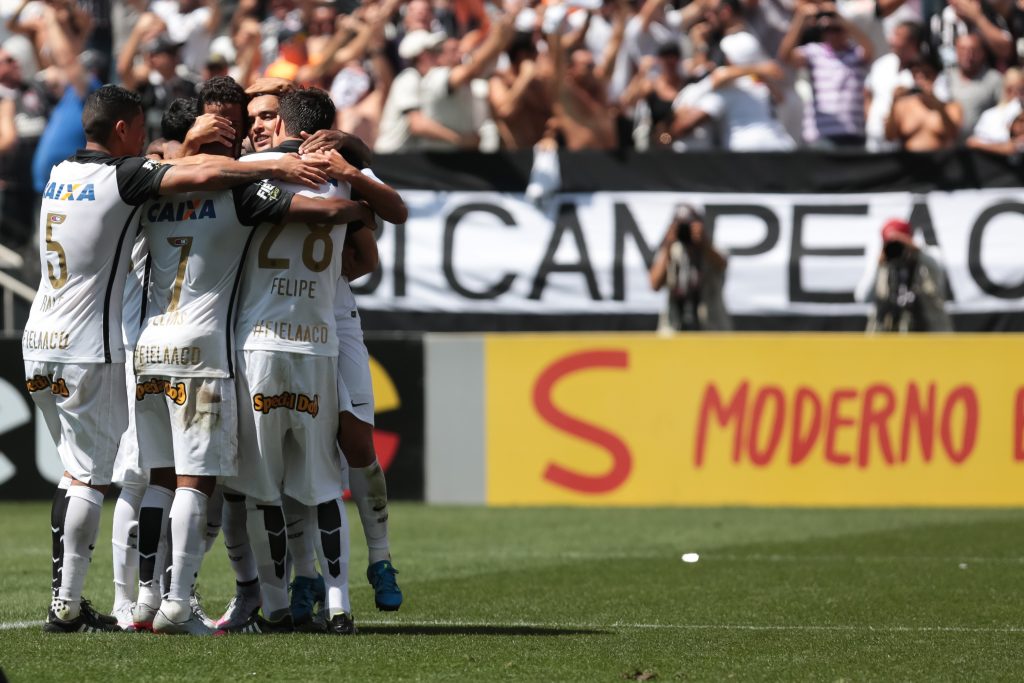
59, 275
318, 239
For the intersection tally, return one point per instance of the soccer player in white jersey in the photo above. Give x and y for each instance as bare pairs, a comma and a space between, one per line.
186, 416
287, 333
72, 346
369, 488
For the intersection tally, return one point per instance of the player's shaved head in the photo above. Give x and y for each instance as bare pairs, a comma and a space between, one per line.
106, 106
307, 110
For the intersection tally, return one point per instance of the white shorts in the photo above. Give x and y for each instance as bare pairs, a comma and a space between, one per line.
188, 423
85, 408
288, 427
126, 465
355, 386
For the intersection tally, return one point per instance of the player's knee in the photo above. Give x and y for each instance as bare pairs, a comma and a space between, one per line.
163, 477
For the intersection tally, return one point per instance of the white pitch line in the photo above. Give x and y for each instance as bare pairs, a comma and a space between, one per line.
15, 625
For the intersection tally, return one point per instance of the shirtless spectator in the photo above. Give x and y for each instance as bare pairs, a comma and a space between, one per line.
520, 99
584, 115
919, 120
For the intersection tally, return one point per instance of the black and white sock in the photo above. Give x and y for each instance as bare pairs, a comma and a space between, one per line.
153, 552
332, 547
57, 510
269, 538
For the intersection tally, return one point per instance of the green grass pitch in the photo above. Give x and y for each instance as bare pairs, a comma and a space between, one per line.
575, 594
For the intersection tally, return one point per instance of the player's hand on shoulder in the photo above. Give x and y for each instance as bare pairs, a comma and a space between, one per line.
355, 151
310, 172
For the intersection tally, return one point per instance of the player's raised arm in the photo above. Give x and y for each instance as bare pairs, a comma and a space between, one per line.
382, 198
212, 172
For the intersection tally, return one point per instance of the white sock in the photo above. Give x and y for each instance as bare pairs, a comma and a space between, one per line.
332, 548
188, 541
236, 540
57, 511
370, 494
269, 539
125, 544
81, 527
214, 515
301, 541
153, 515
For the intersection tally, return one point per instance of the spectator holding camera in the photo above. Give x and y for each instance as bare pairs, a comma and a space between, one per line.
838, 60
919, 121
908, 287
688, 264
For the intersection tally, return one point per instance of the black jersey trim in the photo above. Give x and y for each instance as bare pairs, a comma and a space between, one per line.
145, 290
110, 285
286, 147
232, 311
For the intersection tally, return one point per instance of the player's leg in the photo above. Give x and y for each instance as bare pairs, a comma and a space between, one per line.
246, 601
156, 455
84, 408
315, 480
125, 528
307, 588
205, 437
214, 516
57, 510
245, 604
366, 477
260, 473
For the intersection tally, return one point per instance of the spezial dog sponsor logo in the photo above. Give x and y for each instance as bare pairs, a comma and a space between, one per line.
175, 392
293, 401
57, 387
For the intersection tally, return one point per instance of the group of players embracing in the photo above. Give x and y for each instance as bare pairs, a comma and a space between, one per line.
224, 282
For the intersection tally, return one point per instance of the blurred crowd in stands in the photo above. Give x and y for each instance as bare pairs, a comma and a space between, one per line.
409, 75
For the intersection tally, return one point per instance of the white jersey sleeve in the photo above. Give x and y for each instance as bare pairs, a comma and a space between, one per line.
87, 225
290, 280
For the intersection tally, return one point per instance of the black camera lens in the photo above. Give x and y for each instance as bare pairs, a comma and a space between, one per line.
894, 250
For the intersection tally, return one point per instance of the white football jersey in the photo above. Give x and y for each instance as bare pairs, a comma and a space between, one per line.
87, 226
197, 245
131, 317
291, 274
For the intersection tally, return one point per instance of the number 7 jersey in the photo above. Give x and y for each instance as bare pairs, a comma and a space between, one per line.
291, 274
197, 243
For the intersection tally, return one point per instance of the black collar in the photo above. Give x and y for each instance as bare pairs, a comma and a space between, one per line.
287, 147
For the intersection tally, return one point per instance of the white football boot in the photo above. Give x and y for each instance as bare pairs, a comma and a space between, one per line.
179, 618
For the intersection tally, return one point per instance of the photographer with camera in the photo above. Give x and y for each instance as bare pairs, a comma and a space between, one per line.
908, 287
694, 272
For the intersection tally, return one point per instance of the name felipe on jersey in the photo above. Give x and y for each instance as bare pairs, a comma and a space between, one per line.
187, 210
70, 192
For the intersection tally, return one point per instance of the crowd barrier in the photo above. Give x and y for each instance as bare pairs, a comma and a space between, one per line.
641, 420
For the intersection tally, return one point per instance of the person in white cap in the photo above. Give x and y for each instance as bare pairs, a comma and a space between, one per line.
430, 103
739, 97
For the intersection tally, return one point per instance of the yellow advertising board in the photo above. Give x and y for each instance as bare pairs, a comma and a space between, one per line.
823, 420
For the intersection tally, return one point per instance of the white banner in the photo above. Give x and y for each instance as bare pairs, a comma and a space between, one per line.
482, 252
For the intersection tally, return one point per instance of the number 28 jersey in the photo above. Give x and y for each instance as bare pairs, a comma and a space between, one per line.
87, 227
291, 274
197, 244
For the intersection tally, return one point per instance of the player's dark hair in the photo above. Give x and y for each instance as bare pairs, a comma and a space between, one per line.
309, 110
224, 90
106, 106
178, 118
